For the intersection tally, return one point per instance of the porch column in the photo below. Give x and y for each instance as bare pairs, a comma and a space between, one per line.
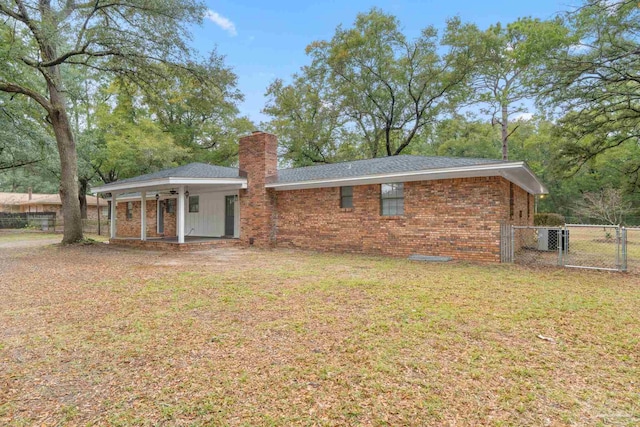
112, 225
143, 215
181, 214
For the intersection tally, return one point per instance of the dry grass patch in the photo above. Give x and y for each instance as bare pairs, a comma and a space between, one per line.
93, 335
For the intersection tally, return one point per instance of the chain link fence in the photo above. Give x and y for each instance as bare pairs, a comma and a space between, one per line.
47, 221
601, 247
38, 221
89, 226
537, 245
632, 254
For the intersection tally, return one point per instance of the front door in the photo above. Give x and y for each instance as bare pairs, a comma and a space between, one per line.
160, 216
229, 215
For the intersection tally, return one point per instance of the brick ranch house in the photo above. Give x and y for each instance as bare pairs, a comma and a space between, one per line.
398, 206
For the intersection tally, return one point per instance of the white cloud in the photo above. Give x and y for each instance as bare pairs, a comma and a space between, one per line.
523, 117
222, 22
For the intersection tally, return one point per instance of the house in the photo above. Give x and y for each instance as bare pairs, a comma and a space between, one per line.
36, 203
397, 206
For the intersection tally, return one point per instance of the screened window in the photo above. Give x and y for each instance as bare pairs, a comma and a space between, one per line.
129, 210
171, 206
194, 203
346, 197
392, 199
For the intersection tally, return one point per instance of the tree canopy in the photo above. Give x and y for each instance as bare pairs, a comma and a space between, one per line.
46, 43
373, 87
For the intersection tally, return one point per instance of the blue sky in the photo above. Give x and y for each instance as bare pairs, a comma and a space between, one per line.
264, 40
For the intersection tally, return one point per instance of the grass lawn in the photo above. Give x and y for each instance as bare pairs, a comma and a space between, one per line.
92, 335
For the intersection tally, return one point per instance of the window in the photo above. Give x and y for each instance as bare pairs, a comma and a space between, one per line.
129, 210
392, 199
194, 204
346, 197
171, 206
529, 206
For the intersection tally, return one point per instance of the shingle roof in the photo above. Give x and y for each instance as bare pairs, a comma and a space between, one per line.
378, 166
37, 199
192, 170
54, 199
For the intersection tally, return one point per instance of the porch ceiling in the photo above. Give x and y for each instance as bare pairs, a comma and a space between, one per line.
167, 184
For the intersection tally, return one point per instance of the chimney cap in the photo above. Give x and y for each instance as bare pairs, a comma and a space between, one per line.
256, 131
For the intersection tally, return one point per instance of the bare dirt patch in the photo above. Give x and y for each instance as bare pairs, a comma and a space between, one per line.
97, 335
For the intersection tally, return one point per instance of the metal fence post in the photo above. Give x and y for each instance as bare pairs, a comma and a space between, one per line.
561, 232
623, 243
618, 266
513, 244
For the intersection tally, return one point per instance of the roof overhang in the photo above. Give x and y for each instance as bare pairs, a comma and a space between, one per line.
161, 183
516, 172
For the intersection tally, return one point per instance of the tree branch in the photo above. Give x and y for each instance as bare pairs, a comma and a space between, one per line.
14, 88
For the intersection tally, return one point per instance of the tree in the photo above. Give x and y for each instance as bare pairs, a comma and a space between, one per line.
202, 118
461, 136
607, 205
308, 120
386, 88
22, 136
594, 85
508, 65
128, 38
126, 141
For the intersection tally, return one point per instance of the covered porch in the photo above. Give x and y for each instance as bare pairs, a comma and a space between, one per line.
193, 205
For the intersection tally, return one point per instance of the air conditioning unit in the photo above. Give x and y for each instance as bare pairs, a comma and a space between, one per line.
550, 240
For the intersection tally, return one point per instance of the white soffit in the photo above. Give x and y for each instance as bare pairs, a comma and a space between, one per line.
516, 172
165, 182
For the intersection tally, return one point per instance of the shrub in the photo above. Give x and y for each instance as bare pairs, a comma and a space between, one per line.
548, 219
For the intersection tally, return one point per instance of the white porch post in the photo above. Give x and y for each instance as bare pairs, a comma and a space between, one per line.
143, 215
112, 226
181, 214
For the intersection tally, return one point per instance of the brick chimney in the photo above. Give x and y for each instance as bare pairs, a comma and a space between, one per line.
258, 155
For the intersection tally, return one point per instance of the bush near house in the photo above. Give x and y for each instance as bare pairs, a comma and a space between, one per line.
548, 219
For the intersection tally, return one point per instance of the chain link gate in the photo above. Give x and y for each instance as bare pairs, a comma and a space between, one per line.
601, 247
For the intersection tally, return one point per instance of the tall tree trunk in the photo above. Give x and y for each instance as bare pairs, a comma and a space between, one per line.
62, 130
82, 197
68, 167
505, 130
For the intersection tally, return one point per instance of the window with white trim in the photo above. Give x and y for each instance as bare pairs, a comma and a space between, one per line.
129, 210
194, 204
392, 199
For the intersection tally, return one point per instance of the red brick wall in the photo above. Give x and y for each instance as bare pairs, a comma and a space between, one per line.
259, 160
131, 227
457, 217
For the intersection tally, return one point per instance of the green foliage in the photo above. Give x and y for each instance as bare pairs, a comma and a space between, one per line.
548, 219
127, 141
509, 60
132, 111
593, 84
202, 118
371, 89
308, 120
